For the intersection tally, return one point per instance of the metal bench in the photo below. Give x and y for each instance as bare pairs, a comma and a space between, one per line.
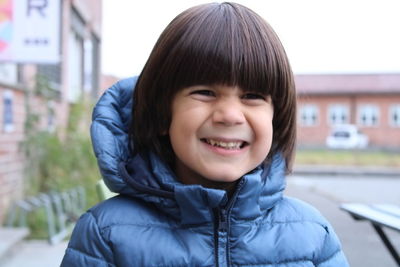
379, 216
62, 209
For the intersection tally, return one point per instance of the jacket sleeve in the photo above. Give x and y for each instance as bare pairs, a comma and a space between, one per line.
87, 246
331, 253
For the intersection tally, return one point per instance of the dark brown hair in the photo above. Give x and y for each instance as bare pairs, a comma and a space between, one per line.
218, 43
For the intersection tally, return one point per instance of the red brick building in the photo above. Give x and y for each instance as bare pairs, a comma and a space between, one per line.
370, 101
78, 72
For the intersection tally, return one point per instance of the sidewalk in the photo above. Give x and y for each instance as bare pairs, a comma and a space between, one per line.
36, 253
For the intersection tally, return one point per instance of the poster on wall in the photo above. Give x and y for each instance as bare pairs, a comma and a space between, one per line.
30, 31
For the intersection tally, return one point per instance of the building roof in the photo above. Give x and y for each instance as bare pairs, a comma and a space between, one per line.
347, 83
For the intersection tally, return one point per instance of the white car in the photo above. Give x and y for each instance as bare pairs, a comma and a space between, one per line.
346, 136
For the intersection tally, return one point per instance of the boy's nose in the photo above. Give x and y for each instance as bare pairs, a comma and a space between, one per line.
228, 113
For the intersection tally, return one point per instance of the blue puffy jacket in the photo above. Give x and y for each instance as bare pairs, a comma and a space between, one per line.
157, 221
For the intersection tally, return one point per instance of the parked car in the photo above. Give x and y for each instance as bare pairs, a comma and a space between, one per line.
346, 136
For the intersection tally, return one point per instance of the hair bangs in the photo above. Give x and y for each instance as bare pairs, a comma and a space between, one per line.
229, 47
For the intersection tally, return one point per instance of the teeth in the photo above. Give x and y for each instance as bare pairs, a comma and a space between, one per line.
227, 145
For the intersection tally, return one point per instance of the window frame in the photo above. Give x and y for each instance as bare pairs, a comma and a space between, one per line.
308, 110
373, 108
344, 107
394, 108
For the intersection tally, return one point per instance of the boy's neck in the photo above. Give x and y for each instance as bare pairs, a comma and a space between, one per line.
229, 187
199, 180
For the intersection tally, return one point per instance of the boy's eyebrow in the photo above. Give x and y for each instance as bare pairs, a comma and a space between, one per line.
262, 92
191, 87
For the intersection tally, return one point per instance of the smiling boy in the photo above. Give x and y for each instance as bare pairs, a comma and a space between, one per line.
219, 133
199, 155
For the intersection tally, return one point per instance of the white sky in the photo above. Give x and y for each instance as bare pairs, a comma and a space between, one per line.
320, 36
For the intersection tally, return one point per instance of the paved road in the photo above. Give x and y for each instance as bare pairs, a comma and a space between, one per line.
360, 242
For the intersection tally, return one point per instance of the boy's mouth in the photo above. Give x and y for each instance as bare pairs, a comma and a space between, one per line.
225, 144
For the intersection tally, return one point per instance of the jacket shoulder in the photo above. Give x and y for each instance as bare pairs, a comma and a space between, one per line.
296, 210
125, 210
304, 222
113, 221
87, 246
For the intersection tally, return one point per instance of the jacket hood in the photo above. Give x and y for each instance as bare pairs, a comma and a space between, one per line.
149, 179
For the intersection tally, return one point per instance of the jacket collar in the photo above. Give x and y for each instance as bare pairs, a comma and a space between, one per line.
150, 179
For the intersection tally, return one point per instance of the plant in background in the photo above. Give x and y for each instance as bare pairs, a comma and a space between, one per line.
55, 164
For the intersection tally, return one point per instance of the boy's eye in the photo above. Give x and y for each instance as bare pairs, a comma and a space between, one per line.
203, 92
251, 96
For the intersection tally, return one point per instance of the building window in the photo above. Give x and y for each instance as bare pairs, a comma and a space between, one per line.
91, 65
8, 114
338, 114
87, 65
10, 73
308, 115
394, 115
368, 115
75, 57
75, 67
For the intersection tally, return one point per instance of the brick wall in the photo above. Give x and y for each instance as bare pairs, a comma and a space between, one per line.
383, 135
11, 163
11, 156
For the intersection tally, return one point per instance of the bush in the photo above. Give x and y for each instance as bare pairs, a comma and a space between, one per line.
55, 164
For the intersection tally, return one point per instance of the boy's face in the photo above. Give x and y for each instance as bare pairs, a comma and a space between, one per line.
219, 133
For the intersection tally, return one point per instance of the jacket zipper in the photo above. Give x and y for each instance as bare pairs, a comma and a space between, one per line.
221, 236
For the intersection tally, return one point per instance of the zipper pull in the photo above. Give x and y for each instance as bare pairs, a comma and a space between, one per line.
223, 226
